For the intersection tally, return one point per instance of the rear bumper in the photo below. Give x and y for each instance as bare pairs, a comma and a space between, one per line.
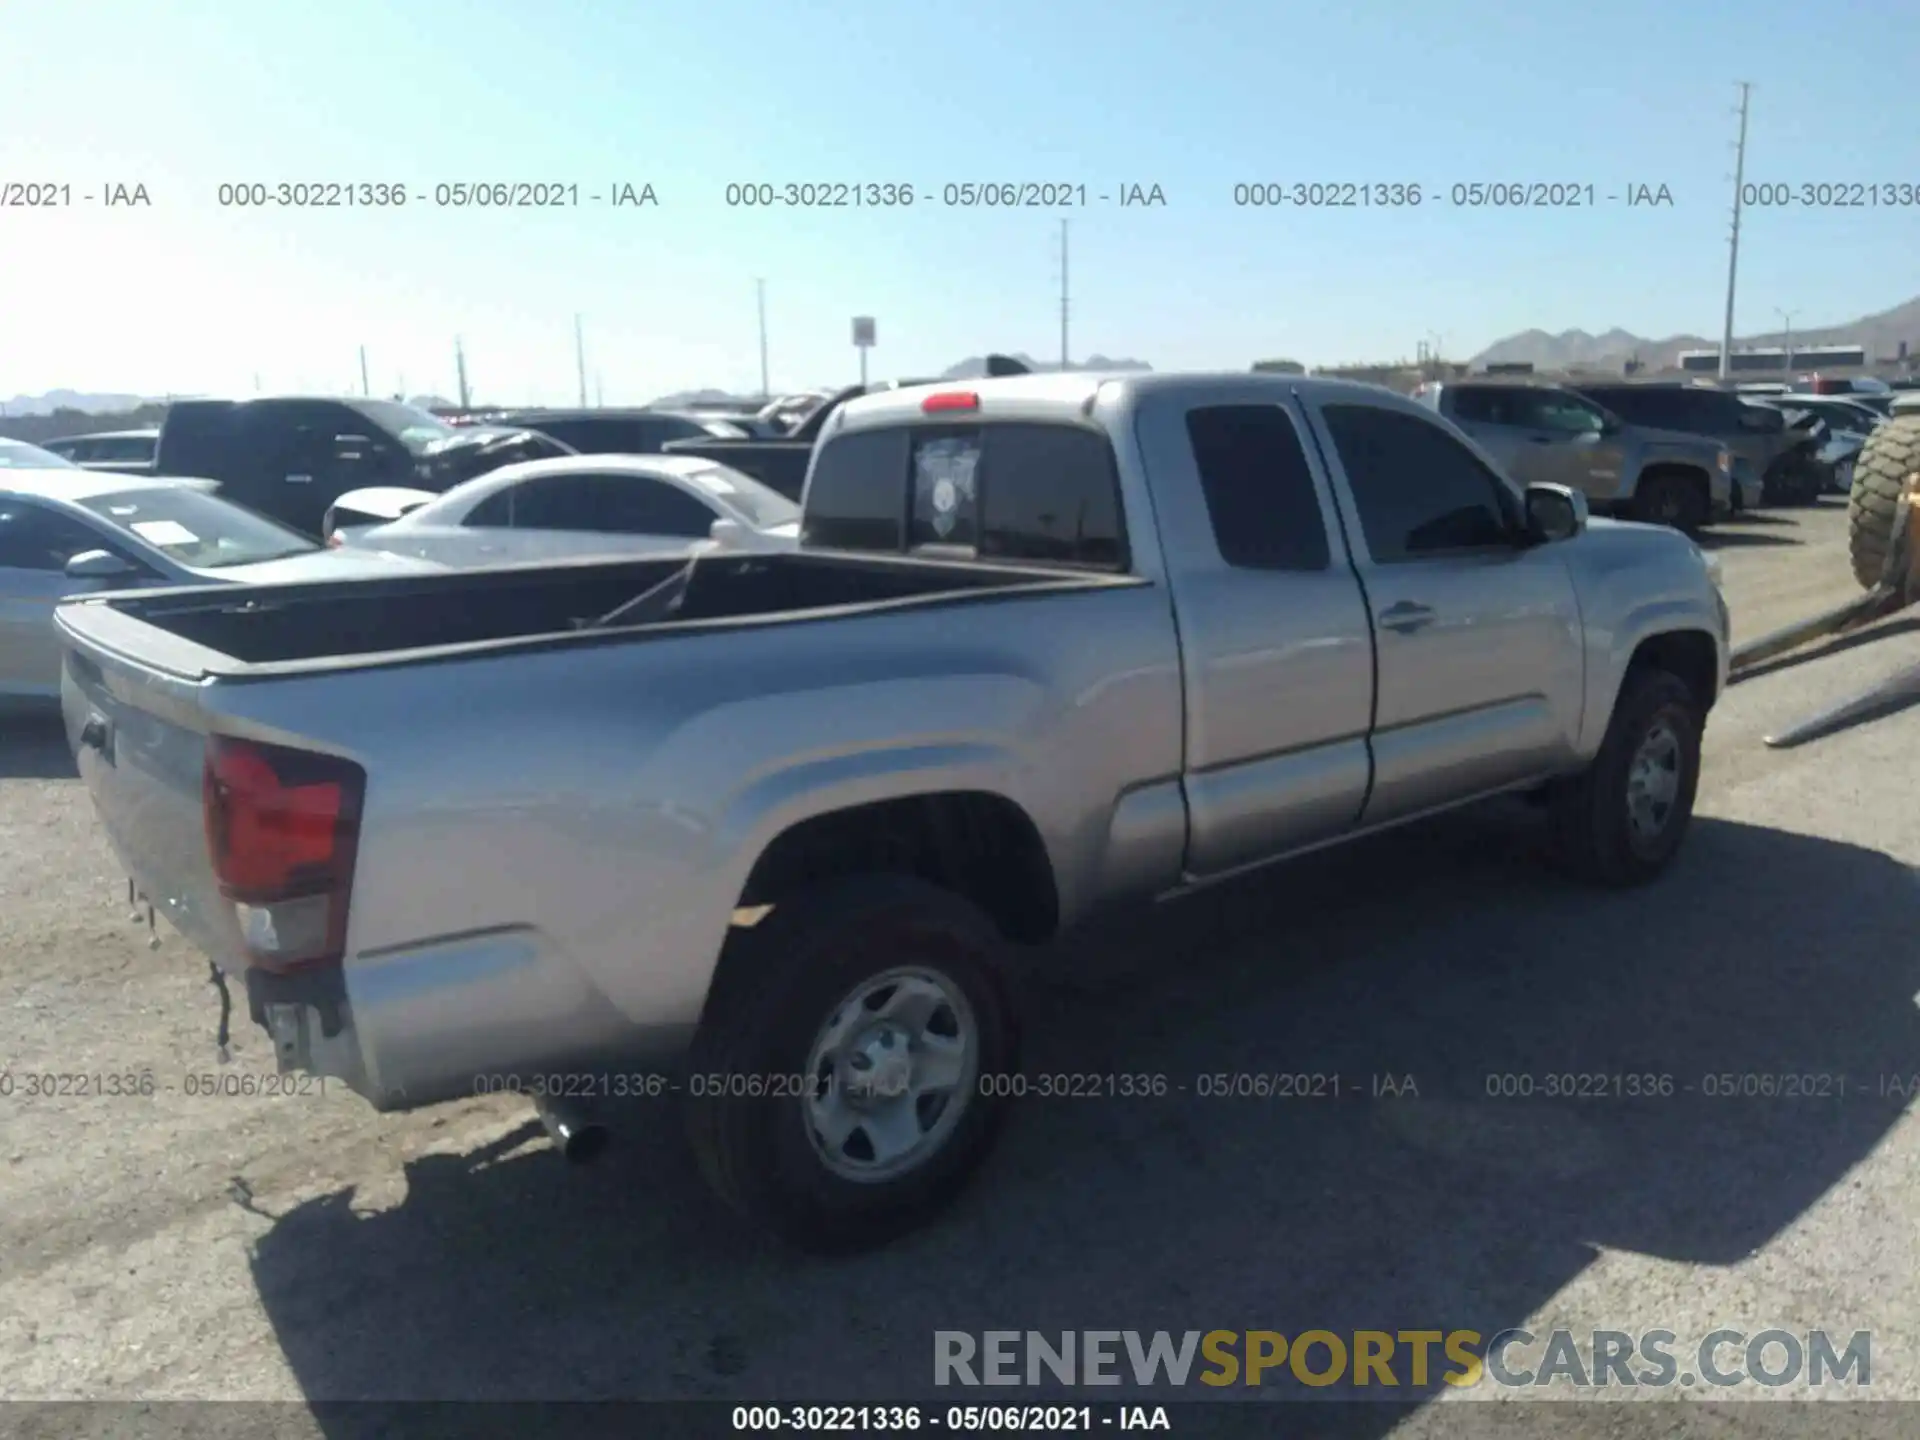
470, 1015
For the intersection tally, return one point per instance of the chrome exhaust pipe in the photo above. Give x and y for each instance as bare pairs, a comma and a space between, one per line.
575, 1133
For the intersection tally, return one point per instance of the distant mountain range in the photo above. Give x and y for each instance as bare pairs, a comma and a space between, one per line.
83, 400
1881, 334
89, 402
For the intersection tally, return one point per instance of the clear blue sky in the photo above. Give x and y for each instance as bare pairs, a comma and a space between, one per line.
183, 95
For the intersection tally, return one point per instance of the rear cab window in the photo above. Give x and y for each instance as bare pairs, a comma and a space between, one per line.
1036, 492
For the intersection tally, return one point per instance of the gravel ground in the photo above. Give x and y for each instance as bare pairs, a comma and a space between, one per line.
300, 1247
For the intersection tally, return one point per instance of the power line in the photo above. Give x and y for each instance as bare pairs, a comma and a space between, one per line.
1733, 240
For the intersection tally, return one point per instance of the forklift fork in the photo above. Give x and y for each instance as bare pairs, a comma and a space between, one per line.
1898, 587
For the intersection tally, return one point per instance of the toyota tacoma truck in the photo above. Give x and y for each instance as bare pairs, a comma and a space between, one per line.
780, 827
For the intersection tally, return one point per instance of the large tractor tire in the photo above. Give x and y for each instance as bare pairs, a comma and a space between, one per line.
1892, 454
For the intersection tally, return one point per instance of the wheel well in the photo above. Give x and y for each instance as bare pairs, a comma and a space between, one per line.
979, 845
1688, 654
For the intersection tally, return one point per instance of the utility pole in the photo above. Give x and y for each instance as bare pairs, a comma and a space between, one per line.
1064, 305
1733, 242
256, 382
460, 370
760, 295
580, 359
1786, 317
365, 388
599, 391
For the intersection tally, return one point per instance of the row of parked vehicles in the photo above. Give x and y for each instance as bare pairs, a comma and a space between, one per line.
776, 820
1668, 452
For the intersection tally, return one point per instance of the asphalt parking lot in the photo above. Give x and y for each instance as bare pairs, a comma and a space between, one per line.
299, 1247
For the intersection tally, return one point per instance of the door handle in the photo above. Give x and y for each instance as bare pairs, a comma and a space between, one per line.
1539, 439
1406, 617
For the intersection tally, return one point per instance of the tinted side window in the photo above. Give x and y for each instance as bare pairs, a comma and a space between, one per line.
636, 505
1051, 493
553, 502
1419, 491
1659, 408
1561, 413
1477, 407
1259, 491
857, 496
34, 538
1492, 405
495, 512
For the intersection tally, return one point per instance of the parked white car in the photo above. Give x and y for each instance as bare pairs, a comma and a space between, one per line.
67, 531
577, 505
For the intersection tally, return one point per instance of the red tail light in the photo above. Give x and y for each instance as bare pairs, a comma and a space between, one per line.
949, 400
282, 828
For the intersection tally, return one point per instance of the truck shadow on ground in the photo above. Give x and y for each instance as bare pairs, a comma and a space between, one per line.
1443, 956
33, 745
1724, 539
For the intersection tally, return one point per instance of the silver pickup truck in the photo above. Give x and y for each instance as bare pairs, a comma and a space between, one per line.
771, 826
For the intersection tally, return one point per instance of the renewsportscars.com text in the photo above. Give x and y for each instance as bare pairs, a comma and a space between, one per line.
1406, 1359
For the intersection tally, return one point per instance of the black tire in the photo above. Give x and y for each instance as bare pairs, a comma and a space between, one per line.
1589, 815
1891, 454
1669, 497
781, 982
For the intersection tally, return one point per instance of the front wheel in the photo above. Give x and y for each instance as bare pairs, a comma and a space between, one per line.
1620, 822
1675, 500
840, 1092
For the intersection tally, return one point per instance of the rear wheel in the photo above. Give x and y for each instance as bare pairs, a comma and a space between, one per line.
1799, 480
1620, 822
1891, 454
841, 1092
1670, 498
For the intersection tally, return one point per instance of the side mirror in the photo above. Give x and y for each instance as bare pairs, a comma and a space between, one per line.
1555, 512
98, 565
728, 534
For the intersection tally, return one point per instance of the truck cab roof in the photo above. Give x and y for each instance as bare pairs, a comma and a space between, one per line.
1070, 395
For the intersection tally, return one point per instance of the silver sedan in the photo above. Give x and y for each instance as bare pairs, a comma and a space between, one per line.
67, 531
577, 505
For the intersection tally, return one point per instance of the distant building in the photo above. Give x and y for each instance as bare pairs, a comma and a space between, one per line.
1510, 367
1774, 359
1278, 367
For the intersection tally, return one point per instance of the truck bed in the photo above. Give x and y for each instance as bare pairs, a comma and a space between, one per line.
201, 631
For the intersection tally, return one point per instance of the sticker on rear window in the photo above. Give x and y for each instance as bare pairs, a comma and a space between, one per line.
164, 532
943, 483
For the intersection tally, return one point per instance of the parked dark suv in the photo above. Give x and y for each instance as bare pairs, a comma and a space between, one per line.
619, 432
1765, 467
290, 457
